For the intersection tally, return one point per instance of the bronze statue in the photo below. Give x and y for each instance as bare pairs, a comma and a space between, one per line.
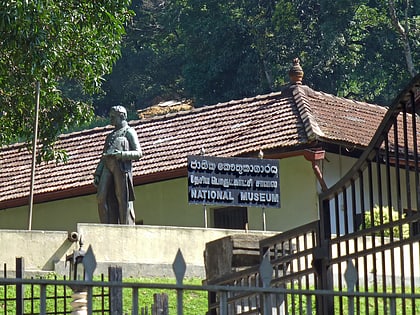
113, 175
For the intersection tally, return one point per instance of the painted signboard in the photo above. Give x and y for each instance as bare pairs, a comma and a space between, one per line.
246, 182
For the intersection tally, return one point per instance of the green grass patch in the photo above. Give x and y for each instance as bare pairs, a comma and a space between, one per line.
58, 297
194, 301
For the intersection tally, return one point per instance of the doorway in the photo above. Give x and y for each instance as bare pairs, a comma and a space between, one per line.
230, 217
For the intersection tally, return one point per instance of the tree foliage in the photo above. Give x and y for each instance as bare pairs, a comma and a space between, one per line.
206, 50
50, 42
212, 51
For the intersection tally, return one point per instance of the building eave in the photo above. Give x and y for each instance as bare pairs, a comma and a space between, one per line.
144, 179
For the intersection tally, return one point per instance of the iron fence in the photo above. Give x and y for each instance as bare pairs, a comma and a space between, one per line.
370, 217
44, 300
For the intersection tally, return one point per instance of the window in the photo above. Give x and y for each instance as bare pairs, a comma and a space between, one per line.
230, 217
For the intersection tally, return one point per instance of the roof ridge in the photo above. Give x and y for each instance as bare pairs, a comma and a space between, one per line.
137, 122
208, 107
385, 107
312, 128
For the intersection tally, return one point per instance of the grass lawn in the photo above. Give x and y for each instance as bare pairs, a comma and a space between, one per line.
194, 301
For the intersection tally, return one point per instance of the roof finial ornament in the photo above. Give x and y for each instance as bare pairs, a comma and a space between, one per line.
296, 72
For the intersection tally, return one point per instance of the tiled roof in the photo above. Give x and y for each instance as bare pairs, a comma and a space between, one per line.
278, 122
338, 119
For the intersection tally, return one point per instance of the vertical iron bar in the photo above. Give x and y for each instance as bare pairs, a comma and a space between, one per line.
390, 212
5, 288
364, 241
90, 301
179, 299
266, 300
64, 294
356, 223
337, 215
306, 266
20, 291
32, 298
362, 199
371, 206
286, 301
346, 248
390, 216
398, 192
103, 295
43, 297
388, 186
55, 295
379, 188
415, 226
135, 301
407, 160
370, 189
223, 303
408, 200
338, 225
397, 168
299, 267
393, 306
350, 305
381, 219
415, 150
308, 304
275, 256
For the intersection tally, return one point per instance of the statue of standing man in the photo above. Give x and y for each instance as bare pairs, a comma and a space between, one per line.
113, 176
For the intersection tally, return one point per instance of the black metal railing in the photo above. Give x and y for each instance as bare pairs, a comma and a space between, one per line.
363, 255
42, 296
370, 218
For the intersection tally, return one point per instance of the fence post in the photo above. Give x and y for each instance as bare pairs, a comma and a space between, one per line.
115, 293
321, 261
20, 270
160, 304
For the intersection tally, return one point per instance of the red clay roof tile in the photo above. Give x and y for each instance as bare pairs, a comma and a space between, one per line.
277, 122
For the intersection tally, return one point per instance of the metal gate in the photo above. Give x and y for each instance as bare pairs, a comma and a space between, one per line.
369, 220
363, 255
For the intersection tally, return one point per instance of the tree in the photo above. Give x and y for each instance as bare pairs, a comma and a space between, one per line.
208, 51
347, 48
408, 31
213, 51
51, 42
149, 69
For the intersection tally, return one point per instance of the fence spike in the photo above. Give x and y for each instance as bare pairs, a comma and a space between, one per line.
89, 264
266, 271
179, 267
350, 275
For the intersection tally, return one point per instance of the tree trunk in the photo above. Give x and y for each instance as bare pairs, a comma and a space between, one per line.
403, 32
